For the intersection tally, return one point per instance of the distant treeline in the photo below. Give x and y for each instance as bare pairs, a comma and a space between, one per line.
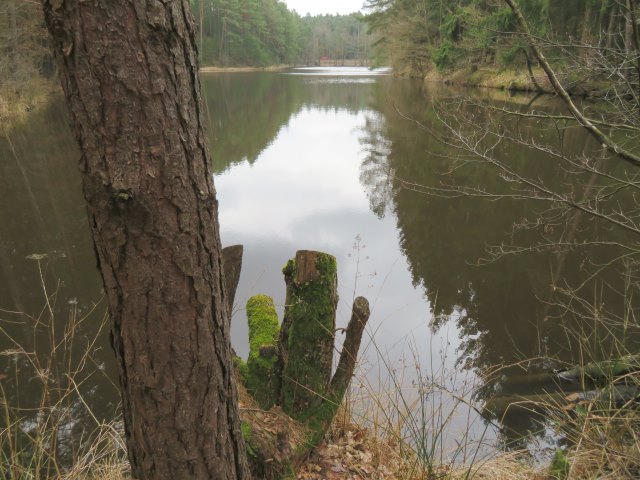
266, 32
230, 33
418, 35
24, 47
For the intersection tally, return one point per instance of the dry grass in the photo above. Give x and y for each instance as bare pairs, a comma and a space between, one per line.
18, 99
605, 439
54, 363
397, 427
104, 459
514, 80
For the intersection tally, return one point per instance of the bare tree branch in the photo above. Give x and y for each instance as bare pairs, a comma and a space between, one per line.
604, 139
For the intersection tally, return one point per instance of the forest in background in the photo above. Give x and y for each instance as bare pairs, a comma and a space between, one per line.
231, 33
266, 32
414, 36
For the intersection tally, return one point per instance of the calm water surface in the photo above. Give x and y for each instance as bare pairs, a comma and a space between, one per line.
319, 159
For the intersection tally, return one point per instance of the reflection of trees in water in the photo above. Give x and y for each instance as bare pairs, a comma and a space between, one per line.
246, 111
498, 307
505, 309
375, 171
43, 213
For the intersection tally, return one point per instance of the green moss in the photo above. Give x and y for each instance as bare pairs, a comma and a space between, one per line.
560, 466
241, 369
604, 372
247, 435
289, 268
262, 379
311, 311
321, 419
246, 431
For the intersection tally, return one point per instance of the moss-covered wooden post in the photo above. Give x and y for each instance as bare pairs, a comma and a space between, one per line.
307, 335
263, 379
289, 368
602, 372
319, 418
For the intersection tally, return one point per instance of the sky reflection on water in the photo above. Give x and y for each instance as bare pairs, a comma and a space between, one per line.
304, 192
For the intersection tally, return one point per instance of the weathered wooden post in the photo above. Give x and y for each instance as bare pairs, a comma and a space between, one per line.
307, 334
289, 367
263, 376
231, 267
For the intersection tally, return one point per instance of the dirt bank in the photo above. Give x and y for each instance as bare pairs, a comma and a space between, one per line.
516, 80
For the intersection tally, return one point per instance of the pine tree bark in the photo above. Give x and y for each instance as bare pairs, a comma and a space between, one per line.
130, 77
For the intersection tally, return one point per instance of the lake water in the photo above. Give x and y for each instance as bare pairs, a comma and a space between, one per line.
337, 160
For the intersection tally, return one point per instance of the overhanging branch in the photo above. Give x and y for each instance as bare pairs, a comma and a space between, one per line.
603, 139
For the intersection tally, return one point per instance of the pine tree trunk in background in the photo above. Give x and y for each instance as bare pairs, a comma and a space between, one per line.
14, 57
628, 28
130, 76
612, 26
587, 28
635, 43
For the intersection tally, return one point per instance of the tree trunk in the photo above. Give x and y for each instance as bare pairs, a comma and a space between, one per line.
612, 26
14, 55
130, 75
587, 28
585, 122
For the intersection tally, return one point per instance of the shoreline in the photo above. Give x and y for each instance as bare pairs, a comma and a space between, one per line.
272, 68
515, 81
281, 67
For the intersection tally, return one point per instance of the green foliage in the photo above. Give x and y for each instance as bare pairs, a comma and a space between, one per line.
560, 466
451, 27
262, 379
417, 35
337, 37
442, 55
241, 369
508, 56
266, 32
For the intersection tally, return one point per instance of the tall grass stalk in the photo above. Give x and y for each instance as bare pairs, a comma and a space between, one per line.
426, 413
421, 414
603, 432
48, 365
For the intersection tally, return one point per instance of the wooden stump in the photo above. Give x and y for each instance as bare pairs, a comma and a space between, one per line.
231, 267
307, 335
263, 379
289, 368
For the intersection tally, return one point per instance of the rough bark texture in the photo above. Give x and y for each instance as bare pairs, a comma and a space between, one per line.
129, 72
